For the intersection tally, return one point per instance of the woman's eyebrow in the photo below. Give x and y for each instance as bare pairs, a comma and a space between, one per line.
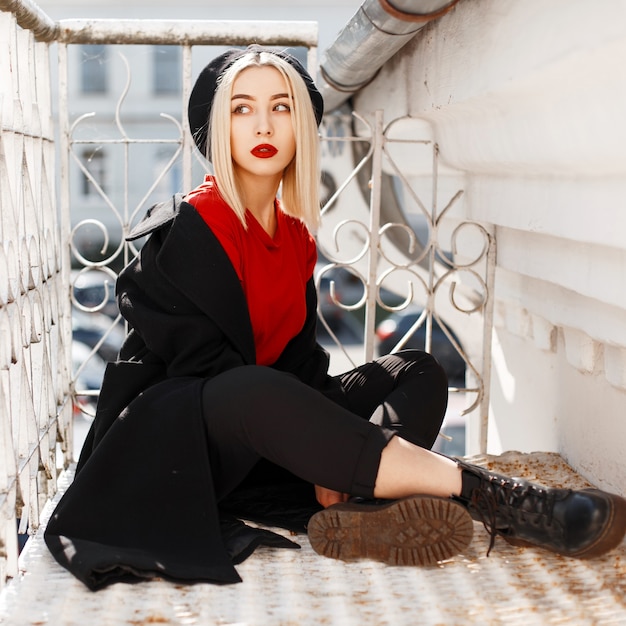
244, 96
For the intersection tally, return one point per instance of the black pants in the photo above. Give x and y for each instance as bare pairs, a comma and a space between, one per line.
254, 413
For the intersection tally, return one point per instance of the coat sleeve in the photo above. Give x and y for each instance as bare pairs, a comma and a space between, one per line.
172, 327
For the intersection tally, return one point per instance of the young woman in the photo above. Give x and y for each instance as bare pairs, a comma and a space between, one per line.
220, 407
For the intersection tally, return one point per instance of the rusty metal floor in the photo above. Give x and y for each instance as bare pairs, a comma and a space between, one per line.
289, 588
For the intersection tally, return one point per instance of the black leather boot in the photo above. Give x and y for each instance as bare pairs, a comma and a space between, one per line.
577, 523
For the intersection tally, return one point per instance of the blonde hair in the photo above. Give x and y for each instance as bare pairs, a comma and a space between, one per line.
300, 183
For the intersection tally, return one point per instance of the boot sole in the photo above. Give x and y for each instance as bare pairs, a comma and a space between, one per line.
419, 530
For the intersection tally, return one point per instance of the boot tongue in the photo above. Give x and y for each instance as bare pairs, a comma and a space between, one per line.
469, 482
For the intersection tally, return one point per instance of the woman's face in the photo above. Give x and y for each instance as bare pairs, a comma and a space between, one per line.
262, 138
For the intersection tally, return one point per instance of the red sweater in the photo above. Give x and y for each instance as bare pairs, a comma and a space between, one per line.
273, 271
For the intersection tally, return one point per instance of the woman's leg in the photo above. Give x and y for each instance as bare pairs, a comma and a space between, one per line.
407, 469
256, 412
406, 392
578, 523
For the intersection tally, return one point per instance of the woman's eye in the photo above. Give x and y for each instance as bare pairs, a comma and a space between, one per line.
241, 108
282, 106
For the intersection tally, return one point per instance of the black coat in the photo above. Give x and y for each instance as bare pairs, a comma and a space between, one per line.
142, 502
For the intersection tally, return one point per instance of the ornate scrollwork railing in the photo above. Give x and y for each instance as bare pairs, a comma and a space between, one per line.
447, 275
100, 274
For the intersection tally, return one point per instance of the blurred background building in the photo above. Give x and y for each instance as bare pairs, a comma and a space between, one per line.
146, 81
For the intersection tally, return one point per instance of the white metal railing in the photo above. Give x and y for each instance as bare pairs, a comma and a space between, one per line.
38, 386
447, 272
35, 331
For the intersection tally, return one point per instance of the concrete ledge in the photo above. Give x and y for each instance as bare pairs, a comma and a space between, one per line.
512, 586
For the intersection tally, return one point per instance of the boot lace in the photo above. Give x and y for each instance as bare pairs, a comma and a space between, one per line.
504, 504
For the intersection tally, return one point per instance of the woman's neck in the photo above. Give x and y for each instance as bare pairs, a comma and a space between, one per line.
267, 218
259, 196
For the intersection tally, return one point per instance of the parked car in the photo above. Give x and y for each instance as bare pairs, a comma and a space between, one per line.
90, 328
89, 368
348, 290
95, 290
392, 329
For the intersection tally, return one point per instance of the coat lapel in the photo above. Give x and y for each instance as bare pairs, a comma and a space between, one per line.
156, 216
194, 261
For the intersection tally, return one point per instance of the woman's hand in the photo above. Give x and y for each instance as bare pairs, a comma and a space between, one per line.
326, 497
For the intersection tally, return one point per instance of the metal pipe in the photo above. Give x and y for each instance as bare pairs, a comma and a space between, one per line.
30, 17
373, 35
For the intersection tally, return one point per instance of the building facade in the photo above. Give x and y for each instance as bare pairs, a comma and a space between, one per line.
526, 101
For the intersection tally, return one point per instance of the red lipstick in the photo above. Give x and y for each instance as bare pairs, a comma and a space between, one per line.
263, 151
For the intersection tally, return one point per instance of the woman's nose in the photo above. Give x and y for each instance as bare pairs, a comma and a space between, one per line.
264, 127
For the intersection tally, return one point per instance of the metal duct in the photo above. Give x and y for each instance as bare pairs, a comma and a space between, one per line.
373, 35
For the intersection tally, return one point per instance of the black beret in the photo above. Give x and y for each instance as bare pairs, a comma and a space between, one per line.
201, 98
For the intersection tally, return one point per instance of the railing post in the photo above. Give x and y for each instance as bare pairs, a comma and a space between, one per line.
487, 341
374, 229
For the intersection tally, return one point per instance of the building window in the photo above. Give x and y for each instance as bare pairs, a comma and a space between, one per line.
167, 70
93, 68
168, 174
94, 161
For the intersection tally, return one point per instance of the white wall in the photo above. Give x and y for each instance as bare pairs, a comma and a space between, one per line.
527, 101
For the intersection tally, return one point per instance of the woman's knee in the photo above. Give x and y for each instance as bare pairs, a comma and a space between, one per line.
419, 362
422, 376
